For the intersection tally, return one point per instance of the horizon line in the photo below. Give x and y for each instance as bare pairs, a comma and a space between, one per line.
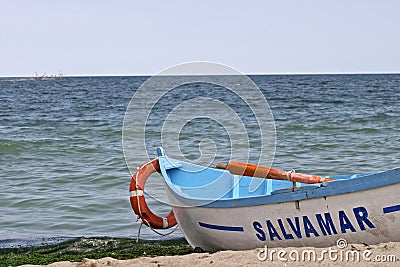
219, 74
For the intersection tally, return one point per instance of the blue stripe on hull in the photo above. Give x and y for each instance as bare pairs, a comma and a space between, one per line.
222, 227
391, 209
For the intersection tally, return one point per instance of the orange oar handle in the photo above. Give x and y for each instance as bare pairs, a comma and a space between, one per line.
251, 170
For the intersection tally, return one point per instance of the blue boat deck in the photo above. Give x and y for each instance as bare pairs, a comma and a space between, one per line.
201, 182
193, 184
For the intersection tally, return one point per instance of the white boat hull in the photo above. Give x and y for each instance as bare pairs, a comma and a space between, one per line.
369, 216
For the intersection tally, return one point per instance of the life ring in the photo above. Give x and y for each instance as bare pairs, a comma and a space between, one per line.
138, 201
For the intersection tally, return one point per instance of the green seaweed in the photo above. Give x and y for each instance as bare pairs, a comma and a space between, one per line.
93, 248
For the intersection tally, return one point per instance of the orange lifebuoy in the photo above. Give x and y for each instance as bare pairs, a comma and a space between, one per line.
138, 201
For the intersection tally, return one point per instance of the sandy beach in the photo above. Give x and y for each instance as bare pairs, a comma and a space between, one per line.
385, 254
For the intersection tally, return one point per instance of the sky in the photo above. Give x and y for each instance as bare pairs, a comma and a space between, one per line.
126, 37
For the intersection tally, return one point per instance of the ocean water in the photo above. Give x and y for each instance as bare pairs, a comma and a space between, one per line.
62, 166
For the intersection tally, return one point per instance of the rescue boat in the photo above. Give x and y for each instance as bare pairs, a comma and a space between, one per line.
219, 209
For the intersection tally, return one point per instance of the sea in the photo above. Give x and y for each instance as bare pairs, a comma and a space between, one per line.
63, 173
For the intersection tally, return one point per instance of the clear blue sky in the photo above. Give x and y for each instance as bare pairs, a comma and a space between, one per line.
143, 37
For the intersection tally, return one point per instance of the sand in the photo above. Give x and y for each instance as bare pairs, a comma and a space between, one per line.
385, 254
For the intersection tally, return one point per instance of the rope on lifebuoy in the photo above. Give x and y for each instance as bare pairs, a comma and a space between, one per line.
290, 174
138, 201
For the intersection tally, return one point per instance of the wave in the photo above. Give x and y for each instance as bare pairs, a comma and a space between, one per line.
7, 147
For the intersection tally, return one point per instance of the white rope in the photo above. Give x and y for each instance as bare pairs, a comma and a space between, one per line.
144, 221
138, 234
155, 231
289, 175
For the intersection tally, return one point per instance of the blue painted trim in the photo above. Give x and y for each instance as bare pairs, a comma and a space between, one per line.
222, 227
391, 209
160, 151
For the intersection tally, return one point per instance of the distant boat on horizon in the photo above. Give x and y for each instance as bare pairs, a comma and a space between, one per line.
52, 77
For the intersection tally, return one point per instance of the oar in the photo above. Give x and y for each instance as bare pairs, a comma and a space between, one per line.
245, 169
